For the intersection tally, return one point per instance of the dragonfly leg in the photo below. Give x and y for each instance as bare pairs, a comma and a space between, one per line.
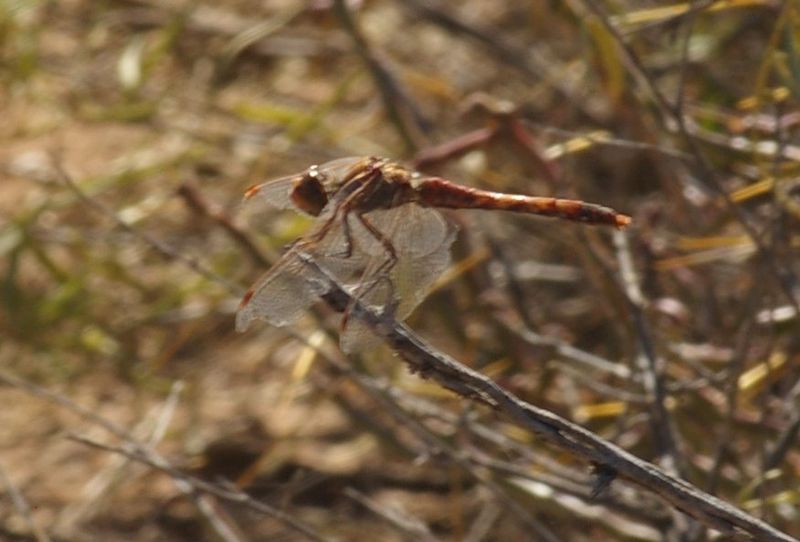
344, 208
382, 239
348, 237
386, 309
377, 275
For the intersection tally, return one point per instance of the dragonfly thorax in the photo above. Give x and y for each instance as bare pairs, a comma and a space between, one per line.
386, 193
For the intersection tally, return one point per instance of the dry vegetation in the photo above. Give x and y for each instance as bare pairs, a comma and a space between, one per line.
677, 340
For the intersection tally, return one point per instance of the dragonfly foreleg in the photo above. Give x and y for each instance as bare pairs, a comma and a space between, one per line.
344, 208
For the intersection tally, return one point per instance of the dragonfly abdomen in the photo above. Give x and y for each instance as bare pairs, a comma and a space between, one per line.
435, 192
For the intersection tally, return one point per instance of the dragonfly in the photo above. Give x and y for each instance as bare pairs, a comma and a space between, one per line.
379, 231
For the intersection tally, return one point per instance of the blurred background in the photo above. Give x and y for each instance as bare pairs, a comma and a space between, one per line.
130, 130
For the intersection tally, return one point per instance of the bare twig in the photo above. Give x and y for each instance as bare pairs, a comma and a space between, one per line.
137, 453
561, 348
421, 358
486, 518
95, 490
201, 206
391, 92
504, 122
187, 484
436, 445
652, 375
785, 443
155, 243
454, 148
408, 412
22, 506
563, 480
410, 526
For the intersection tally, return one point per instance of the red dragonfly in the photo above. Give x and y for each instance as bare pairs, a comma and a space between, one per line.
378, 231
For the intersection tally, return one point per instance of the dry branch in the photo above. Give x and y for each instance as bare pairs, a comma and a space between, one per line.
421, 358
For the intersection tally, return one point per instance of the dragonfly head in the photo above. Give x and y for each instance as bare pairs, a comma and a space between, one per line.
308, 192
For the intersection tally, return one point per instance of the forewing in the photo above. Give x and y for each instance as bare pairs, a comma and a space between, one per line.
421, 240
282, 295
333, 172
290, 287
275, 193
278, 192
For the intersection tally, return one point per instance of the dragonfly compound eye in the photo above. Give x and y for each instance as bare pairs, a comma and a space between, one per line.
308, 194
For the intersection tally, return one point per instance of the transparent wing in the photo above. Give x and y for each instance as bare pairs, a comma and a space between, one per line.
411, 229
421, 230
336, 170
277, 192
402, 289
413, 278
290, 287
281, 295
356, 336
422, 239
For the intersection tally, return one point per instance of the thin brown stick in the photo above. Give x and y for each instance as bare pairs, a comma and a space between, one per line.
201, 206
653, 379
436, 445
409, 411
391, 92
23, 508
410, 526
156, 244
449, 150
137, 451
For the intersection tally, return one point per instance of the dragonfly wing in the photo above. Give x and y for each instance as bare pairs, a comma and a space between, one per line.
413, 278
282, 295
403, 288
275, 193
421, 239
334, 171
412, 230
278, 192
357, 337
423, 232
374, 293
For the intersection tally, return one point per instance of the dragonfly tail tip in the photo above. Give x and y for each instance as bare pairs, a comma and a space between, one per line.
622, 221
